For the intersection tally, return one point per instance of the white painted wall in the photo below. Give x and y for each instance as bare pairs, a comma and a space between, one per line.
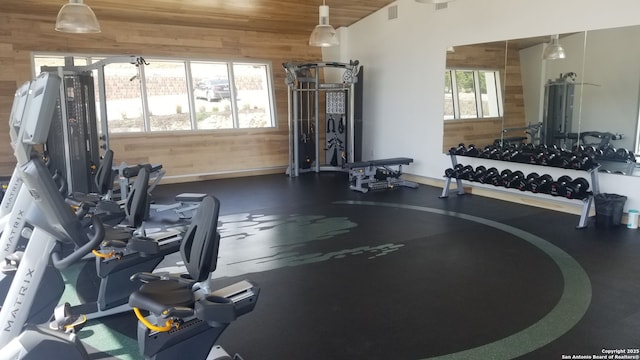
612, 83
613, 105
404, 60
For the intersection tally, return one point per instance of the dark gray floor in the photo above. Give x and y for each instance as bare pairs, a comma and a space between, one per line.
391, 278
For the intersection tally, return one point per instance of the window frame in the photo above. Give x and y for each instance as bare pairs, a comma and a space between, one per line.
455, 93
229, 63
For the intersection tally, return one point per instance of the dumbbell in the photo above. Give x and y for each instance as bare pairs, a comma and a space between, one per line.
503, 178
578, 149
621, 154
514, 180
527, 147
465, 173
577, 189
541, 184
525, 184
460, 150
590, 150
560, 159
478, 173
472, 151
582, 162
522, 183
488, 176
558, 186
487, 151
609, 152
452, 173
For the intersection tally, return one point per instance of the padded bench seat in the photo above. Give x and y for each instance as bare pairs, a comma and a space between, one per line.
377, 174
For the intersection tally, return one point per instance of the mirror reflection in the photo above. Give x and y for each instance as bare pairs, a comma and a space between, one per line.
588, 98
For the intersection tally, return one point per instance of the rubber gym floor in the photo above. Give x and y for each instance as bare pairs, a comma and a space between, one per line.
402, 274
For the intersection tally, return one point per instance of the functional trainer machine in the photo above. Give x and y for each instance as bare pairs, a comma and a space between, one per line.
342, 114
558, 109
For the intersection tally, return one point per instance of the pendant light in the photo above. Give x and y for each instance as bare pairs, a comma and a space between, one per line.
77, 17
323, 34
553, 50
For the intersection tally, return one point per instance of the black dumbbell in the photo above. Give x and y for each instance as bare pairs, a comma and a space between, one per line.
621, 154
609, 152
581, 162
558, 186
478, 173
541, 184
472, 151
577, 189
515, 179
590, 150
460, 150
503, 178
449, 173
453, 173
465, 173
488, 176
525, 184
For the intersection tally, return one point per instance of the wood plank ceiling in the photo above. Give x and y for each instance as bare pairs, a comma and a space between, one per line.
277, 16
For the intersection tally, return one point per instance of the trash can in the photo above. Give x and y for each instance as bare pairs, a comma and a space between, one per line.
609, 210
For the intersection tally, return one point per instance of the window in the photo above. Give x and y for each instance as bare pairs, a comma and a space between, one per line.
472, 94
167, 99
181, 94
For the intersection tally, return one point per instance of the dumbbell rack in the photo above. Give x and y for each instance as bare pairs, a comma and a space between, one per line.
587, 201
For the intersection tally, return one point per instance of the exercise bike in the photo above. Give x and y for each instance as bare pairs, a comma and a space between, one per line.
54, 223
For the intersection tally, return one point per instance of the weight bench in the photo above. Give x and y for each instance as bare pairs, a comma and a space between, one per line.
378, 174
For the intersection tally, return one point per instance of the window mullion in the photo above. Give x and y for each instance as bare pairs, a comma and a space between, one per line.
190, 96
143, 96
454, 95
232, 96
478, 93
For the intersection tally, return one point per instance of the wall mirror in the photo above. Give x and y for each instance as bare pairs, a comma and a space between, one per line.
601, 106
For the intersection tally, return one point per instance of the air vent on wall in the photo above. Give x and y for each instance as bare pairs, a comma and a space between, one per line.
393, 12
440, 6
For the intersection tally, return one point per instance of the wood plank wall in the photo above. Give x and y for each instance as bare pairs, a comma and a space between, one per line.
482, 132
183, 154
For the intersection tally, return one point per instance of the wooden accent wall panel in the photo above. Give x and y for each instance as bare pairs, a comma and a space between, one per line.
181, 153
482, 132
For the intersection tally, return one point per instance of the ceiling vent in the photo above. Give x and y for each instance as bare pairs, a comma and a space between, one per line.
393, 12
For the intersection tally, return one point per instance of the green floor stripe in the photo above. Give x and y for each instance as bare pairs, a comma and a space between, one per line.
571, 307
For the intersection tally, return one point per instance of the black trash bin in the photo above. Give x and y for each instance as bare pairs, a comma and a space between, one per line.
609, 210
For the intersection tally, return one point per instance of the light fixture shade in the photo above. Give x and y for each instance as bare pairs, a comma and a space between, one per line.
554, 50
76, 17
323, 35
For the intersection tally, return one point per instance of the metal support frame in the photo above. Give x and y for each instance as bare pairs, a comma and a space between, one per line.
296, 82
587, 202
447, 184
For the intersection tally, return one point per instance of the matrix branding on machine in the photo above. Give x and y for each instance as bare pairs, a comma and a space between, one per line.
11, 194
16, 227
18, 304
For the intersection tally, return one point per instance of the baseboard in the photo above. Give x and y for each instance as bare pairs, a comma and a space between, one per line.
176, 179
